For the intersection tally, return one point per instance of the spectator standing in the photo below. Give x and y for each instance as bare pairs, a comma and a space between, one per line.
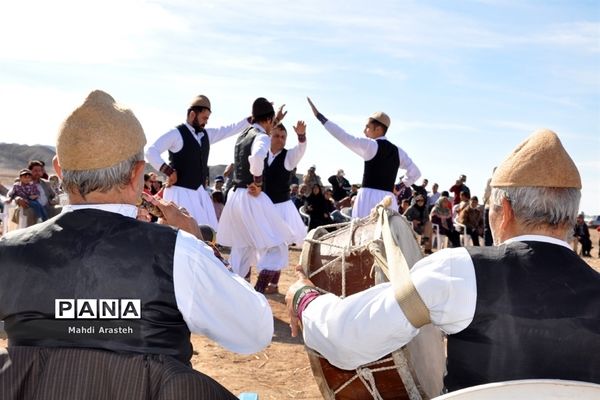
318, 207
582, 234
339, 185
459, 187
421, 189
311, 178
433, 197
25, 189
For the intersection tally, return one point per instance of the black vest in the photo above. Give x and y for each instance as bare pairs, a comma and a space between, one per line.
243, 148
191, 162
537, 316
92, 254
380, 171
276, 183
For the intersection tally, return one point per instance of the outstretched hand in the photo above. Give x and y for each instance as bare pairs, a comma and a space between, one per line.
300, 128
312, 106
280, 113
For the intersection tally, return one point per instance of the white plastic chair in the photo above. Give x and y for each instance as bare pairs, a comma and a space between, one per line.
304, 214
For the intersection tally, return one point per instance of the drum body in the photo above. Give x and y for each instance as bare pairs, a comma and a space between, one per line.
341, 262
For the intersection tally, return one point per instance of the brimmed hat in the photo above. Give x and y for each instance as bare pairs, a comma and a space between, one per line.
200, 101
24, 171
540, 161
382, 118
219, 179
262, 107
98, 134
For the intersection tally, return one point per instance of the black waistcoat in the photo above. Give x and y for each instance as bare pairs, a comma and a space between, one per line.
380, 171
276, 183
243, 148
191, 162
92, 254
537, 316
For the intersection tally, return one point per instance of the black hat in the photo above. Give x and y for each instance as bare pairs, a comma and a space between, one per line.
261, 108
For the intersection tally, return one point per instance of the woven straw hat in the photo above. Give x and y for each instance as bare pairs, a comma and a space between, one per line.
98, 134
382, 118
200, 101
540, 161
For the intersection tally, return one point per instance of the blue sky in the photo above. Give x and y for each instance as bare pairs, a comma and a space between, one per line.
463, 81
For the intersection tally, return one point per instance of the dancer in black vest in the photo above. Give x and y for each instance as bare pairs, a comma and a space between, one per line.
527, 308
249, 224
279, 166
165, 281
188, 146
382, 160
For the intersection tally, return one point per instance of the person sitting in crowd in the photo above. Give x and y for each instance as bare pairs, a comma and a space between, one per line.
582, 234
318, 208
419, 217
402, 192
404, 206
48, 198
25, 189
441, 214
471, 217
433, 196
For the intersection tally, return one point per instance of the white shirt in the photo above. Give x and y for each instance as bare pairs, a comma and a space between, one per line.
172, 140
432, 198
368, 325
292, 157
260, 149
367, 149
213, 301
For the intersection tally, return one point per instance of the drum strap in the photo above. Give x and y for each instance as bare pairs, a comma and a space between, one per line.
408, 298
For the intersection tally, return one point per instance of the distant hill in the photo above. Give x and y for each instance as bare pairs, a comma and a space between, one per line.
14, 157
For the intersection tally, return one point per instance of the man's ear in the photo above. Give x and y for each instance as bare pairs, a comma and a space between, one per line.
56, 166
508, 215
137, 174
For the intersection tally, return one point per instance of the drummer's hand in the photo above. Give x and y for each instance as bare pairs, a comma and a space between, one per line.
295, 323
175, 216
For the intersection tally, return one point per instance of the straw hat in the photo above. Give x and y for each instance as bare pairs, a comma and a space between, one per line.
200, 101
98, 134
540, 161
381, 117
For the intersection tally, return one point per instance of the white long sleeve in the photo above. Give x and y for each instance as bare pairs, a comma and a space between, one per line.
217, 134
217, 303
259, 151
294, 155
368, 325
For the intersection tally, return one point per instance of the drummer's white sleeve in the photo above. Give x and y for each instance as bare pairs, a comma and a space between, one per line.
216, 302
368, 325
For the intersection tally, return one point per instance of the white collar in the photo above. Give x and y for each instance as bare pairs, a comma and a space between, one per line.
538, 238
127, 210
259, 127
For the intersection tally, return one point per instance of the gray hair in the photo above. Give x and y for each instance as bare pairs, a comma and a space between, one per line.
536, 207
85, 182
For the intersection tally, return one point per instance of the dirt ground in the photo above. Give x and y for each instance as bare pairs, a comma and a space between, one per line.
282, 370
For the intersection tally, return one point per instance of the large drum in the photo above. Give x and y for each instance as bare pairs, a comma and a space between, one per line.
343, 262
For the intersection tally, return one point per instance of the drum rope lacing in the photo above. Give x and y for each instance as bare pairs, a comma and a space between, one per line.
348, 249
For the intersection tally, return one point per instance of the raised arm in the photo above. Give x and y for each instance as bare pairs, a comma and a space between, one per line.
366, 148
295, 154
217, 134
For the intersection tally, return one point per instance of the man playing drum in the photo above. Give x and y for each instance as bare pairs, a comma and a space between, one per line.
526, 308
382, 160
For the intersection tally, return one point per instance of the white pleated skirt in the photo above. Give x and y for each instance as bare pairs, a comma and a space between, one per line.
367, 199
289, 213
256, 233
197, 202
